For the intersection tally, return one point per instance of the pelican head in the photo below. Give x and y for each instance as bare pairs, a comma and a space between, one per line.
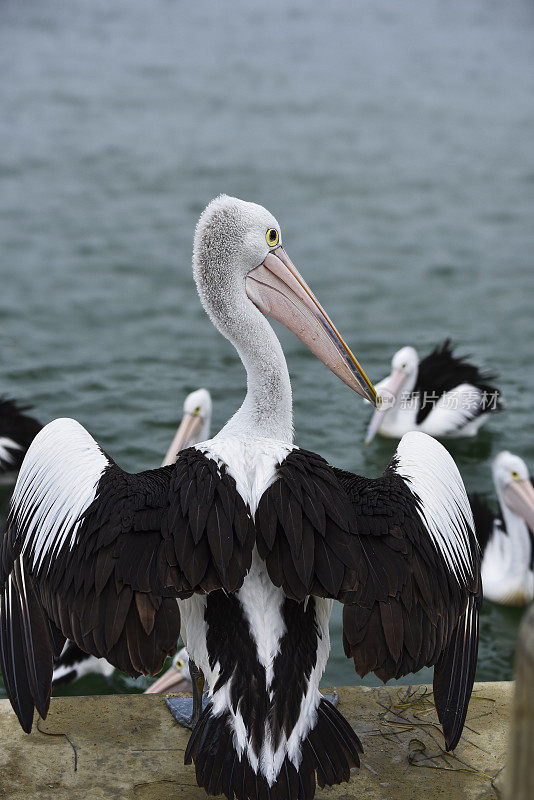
514, 489
195, 424
240, 267
404, 367
176, 679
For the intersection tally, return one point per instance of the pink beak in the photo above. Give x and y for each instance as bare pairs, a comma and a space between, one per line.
170, 681
188, 426
519, 497
278, 290
388, 396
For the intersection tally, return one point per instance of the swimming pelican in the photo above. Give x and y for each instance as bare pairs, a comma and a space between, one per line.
506, 539
195, 425
17, 431
73, 662
443, 395
257, 538
177, 678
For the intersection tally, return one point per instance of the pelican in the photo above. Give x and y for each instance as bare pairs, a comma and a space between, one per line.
73, 662
177, 678
256, 538
506, 539
443, 395
17, 431
195, 425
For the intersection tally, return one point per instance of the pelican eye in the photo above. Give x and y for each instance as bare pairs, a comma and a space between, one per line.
272, 237
404, 365
196, 411
179, 663
515, 475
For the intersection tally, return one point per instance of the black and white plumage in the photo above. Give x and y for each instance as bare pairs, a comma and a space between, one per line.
256, 538
73, 662
17, 431
506, 538
443, 395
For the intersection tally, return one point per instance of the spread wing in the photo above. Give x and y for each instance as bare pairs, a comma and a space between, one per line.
99, 555
400, 553
418, 594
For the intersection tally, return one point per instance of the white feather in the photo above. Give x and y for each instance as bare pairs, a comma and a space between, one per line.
506, 576
7, 445
433, 477
456, 413
57, 482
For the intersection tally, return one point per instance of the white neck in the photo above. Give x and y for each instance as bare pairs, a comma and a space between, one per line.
519, 535
267, 410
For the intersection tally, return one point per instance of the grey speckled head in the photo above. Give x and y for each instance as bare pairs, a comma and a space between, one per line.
230, 240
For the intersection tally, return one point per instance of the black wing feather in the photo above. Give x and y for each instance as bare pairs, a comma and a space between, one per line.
142, 542
304, 529
330, 533
441, 371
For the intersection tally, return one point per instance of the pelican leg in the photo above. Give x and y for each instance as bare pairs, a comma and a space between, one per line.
197, 679
185, 710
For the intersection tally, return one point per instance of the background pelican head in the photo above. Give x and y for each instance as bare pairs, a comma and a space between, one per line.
241, 269
404, 367
513, 486
195, 424
176, 679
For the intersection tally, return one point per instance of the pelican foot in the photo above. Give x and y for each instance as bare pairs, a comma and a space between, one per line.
332, 698
182, 710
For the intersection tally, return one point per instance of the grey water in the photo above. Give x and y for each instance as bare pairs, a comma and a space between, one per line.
393, 142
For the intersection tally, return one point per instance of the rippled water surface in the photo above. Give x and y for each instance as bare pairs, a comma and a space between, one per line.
392, 141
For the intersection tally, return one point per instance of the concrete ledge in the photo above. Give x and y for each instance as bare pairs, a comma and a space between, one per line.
128, 747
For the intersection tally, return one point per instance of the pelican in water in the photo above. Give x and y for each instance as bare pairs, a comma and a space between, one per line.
195, 425
506, 538
442, 395
73, 662
17, 431
256, 538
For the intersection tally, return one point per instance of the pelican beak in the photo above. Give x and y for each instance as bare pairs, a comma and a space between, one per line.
519, 497
188, 427
171, 681
278, 290
389, 392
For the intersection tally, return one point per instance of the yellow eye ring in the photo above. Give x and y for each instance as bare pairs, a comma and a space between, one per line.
179, 663
515, 475
272, 237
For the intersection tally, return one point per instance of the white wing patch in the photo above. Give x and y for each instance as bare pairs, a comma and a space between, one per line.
57, 482
444, 509
455, 412
7, 445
